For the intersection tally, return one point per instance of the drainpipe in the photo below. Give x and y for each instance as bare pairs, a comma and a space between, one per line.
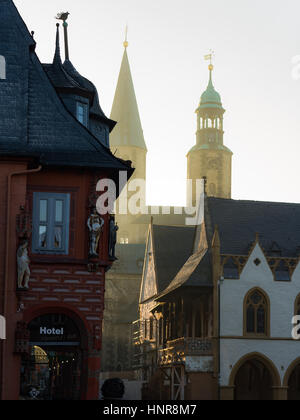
7, 244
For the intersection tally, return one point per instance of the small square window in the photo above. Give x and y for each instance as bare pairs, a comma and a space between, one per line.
50, 223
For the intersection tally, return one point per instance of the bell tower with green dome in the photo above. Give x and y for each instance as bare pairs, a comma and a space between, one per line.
209, 157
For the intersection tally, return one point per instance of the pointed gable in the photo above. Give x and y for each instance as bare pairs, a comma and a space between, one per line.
128, 131
149, 281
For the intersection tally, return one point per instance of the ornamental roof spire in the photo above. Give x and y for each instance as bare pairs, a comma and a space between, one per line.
210, 98
57, 56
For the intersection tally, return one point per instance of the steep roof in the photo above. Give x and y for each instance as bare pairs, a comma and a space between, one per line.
33, 119
128, 131
173, 246
240, 220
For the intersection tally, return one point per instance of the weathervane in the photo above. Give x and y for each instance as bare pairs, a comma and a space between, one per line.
126, 33
210, 57
64, 16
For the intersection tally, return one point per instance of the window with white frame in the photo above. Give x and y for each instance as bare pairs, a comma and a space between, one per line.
51, 215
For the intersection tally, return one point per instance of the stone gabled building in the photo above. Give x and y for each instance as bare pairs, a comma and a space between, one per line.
218, 324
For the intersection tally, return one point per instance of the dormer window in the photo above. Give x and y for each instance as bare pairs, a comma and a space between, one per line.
2, 67
82, 113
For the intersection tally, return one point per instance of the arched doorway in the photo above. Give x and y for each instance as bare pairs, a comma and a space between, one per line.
52, 369
253, 382
292, 381
294, 384
254, 378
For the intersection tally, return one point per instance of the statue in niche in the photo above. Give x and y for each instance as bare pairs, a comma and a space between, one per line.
113, 229
95, 224
23, 266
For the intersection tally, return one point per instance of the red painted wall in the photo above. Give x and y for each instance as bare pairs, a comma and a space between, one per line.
58, 283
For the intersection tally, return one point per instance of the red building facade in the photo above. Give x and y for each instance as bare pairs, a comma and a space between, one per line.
54, 251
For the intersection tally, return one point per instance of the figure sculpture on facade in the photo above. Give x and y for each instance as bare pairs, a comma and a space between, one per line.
23, 266
113, 229
95, 224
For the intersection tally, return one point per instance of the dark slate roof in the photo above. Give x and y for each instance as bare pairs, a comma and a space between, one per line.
173, 246
195, 272
278, 225
64, 76
33, 119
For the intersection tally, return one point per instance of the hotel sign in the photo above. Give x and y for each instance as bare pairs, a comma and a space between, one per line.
53, 328
51, 331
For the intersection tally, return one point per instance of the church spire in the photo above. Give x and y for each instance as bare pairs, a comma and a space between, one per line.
128, 131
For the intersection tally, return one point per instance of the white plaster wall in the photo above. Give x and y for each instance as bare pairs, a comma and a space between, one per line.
282, 297
199, 364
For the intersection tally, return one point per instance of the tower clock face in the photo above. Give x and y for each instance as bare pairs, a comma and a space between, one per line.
214, 163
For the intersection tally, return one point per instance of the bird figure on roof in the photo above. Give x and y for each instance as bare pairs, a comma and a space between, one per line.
62, 16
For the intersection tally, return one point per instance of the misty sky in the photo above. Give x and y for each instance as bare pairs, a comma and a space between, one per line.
254, 42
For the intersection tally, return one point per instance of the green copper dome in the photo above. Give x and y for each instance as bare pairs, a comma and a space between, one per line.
210, 98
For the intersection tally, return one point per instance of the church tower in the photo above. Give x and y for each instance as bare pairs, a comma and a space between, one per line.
209, 157
127, 139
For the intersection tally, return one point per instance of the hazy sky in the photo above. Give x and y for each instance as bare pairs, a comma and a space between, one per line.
254, 43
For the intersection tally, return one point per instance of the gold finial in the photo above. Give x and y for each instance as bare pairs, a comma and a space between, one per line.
210, 57
125, 43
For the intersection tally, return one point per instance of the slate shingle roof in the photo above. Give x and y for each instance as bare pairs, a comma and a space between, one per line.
278, 225
33, 119
239, 220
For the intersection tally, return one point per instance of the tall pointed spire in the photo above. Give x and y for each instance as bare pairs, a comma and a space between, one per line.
128, 131
57, 57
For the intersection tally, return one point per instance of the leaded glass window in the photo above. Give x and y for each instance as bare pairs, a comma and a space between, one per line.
256, 313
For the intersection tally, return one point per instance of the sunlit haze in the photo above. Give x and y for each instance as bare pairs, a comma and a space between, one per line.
254, 44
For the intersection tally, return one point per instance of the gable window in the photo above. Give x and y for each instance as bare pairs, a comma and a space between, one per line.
256, 313
2, 67
82, 113
50, 223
